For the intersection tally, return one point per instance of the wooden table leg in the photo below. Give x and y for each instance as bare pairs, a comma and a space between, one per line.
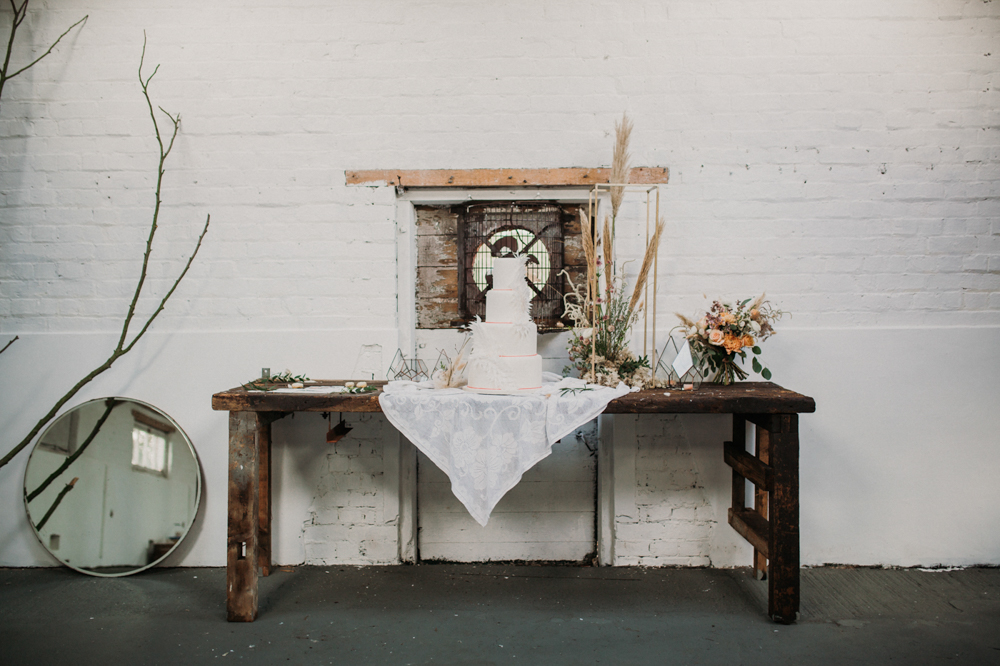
783, 508
264, 496
772, 526
264, 499
244, 517
762, 450
738, 445
265, 419
747, 522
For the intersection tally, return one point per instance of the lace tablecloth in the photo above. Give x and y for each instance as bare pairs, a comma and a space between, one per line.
484, 443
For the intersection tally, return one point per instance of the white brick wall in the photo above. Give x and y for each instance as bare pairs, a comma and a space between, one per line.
347, 520
334, 502
673, 518
842, 156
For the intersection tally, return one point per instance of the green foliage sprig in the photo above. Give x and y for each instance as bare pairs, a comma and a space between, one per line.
272, 382
570, 390
288, 378
629, 366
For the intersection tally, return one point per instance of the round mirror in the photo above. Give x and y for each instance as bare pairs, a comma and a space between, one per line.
112, 486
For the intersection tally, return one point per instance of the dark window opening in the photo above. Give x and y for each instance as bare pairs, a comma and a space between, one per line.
456, 246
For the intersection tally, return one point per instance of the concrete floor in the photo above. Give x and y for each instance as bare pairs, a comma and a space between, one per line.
463, 615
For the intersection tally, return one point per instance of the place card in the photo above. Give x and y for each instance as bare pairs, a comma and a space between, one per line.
311, 390
683, 361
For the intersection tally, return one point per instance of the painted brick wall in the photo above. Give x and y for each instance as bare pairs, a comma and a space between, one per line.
673, 518
347, 520
842, 156
334, 502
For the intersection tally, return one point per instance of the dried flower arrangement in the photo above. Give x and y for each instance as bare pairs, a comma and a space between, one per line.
726, 331
451, 374
604, 311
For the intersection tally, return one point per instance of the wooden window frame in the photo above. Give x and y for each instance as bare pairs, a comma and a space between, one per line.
438, 296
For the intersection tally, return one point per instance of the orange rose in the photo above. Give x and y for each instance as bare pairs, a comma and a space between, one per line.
748, 341
728, 318
732, 343
715, 336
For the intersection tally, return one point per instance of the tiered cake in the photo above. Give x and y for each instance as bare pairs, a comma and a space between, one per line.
505, 347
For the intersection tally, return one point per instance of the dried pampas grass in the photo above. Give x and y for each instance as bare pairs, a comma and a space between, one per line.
454, 375
589, 252
608, 239
587, 234
620, 163
647, 265
686, 321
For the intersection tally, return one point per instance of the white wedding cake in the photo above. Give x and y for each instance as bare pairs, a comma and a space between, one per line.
504, 355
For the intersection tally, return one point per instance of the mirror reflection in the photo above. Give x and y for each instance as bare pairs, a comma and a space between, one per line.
112, 486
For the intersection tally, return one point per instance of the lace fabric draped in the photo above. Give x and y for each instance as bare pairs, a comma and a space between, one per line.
485, 443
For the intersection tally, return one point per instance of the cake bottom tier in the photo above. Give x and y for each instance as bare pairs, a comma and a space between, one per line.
506, 374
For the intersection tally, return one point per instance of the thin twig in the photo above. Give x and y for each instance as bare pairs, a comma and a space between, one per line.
110, 403
19, 15
121, 349
159, 183
15, 339
59, 498
163, 302
47, 52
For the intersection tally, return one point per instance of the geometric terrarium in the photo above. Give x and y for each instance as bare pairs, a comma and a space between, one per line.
678, 366
412, 369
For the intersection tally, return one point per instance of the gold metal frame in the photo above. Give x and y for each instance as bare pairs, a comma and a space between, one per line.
593, 199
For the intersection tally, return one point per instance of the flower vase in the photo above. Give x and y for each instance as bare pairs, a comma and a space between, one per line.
727, 370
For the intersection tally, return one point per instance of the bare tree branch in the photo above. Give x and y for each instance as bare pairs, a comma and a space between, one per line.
109, 405
19, 15
159, 183
59, 498
163, 302
13, 340
121, 349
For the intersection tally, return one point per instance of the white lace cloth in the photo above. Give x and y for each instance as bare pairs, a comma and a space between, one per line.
484, 443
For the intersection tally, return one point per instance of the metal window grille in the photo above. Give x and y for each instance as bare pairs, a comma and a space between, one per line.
492, 230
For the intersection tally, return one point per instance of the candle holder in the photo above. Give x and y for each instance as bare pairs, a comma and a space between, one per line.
412, 369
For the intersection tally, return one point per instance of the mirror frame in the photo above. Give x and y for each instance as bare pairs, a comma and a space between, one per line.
197, 495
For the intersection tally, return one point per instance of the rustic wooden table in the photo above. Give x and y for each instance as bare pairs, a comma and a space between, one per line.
771, 525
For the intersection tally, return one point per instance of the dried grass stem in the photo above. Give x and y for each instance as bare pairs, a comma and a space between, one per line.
620, 163
647, 265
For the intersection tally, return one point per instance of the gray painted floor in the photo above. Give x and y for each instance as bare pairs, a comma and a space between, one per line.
500, 614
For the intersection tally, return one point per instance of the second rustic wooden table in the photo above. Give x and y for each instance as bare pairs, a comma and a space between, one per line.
771, 525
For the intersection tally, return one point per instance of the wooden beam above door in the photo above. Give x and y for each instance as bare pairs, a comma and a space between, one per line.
563, 177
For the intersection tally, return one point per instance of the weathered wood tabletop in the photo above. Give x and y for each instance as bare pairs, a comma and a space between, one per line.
741, 398
771, 525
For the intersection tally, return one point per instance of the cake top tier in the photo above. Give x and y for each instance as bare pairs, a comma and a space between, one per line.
509, 272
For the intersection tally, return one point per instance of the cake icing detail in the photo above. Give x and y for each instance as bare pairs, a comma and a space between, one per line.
510, 275
504, 357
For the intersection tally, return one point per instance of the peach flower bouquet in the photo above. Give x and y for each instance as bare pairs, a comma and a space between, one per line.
726, 332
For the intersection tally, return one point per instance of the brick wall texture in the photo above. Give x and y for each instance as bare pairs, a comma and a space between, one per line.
843, 156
